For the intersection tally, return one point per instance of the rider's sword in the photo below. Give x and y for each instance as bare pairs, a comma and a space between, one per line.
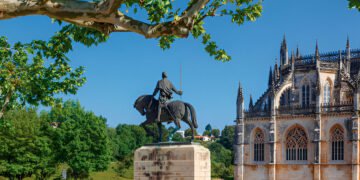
180, 80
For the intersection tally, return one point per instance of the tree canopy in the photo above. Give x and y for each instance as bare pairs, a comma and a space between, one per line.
34, 73
208, 127
221, 161
127, 139
165, 20
227, 137
216, 133
207, 133
26, 147
188, 132
81, 140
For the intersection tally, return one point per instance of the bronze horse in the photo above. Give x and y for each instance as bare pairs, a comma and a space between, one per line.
148, 105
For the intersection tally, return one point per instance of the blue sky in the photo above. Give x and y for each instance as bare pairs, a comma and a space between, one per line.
128, 65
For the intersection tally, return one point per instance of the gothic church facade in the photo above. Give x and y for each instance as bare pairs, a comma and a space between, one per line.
305, 125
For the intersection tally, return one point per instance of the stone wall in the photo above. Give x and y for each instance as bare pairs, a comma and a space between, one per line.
302, 170
294, 172
298, 172
172, 162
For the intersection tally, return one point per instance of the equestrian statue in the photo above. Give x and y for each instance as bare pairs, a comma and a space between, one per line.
163, 110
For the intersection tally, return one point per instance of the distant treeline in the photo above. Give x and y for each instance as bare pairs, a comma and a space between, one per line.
35, 145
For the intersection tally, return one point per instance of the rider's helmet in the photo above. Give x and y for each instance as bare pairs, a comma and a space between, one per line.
164, 75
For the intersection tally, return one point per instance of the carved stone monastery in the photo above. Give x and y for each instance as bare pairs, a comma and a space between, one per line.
305, 125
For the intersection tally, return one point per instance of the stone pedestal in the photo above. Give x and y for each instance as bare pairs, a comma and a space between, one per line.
172, 162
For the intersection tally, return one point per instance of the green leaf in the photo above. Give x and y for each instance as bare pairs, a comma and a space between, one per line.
166, 41
354, 4
206, 38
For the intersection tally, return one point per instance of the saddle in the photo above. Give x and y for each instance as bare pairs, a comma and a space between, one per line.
166, 113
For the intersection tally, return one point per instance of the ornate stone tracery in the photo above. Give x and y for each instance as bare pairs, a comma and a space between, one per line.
337, 143
259, 145
296, 144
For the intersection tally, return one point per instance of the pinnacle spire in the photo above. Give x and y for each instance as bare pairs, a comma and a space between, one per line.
297, 52
239, 103
276, 71
270, 77
348, 55
317, 50
317, 55
340, 61
273, 87
284, 60
240, 97
340, 57
338, 73
318, 83
284, 41
292, 63
251, 104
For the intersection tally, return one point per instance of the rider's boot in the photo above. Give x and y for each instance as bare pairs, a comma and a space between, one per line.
158, 117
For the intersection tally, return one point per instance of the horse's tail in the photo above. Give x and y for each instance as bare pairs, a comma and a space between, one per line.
193, 114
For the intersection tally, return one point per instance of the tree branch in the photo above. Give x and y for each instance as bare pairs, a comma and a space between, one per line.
6, 102
102, 16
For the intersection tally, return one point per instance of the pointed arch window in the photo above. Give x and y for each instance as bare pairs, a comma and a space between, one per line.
327, 93
296, 145
337, 143
305, 90
259, 145
285, 98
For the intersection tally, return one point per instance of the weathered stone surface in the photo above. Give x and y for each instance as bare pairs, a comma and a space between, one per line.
172, 162
317, 95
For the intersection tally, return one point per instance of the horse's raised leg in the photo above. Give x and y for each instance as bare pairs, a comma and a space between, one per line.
173, 132
177, 123
160, 131
193, 132
146, 128
187, 121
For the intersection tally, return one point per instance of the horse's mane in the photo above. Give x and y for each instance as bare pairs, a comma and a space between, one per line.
141, 98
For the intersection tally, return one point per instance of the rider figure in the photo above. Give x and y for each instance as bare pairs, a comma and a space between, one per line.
166, 89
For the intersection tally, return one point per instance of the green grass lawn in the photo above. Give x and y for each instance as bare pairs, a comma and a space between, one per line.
110, 173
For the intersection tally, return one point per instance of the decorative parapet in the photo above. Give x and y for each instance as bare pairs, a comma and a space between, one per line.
296, 110
328, 59
345, 106
332, 56
250, 114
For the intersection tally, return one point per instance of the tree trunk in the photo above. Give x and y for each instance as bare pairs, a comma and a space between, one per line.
6, 103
